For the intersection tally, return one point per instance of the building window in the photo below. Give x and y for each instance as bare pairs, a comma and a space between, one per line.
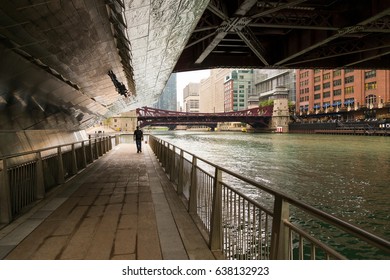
349, 101
337, 82
370, 86
326, 85
349, 79
326, 94
371, 99
326, 76
336, 73
115, 120
326, 104
317, 79
317, 87
336, 102
304, 74
316, 71
348, 71
317, 96
370, 74
337, 92
349, 90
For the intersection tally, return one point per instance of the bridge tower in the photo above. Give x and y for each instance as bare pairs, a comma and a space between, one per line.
280, 113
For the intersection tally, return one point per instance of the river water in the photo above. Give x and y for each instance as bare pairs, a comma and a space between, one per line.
347, 176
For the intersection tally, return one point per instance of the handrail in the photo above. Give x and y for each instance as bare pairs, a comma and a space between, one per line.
317, 212
342, 225
46, 149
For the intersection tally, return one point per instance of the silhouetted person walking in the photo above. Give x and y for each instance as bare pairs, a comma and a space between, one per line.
138, 137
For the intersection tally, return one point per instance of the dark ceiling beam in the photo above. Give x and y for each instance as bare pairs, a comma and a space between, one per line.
317, 58
340, 33
238, 25
245, 7
251, 41
278, 8
291, 26
217, 12
228, 25
368, 58
199, 40
344, 48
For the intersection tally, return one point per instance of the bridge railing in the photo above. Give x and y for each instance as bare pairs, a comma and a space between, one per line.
246, 220
27, 177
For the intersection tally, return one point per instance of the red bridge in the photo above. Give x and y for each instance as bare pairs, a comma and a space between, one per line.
256, 117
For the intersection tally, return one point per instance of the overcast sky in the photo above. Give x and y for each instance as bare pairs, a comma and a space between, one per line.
184, 78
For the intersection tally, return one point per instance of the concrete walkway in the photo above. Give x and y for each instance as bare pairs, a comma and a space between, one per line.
121, 207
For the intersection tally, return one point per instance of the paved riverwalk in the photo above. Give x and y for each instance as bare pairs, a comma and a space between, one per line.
121, 207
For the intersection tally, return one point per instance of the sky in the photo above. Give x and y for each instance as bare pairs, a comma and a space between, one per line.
184, 78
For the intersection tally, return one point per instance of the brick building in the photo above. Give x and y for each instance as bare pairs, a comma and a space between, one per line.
352, 94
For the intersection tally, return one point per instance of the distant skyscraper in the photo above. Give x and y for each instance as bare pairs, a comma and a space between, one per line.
168, 99
238, 85
191, 98
211, 92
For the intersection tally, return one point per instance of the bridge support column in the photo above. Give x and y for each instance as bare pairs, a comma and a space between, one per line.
280, 114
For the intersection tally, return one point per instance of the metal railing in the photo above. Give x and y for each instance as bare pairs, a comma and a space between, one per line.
260, 223
26, 177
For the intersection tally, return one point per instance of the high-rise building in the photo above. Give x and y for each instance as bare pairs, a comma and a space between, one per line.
167, 100
238, 86
212, 91
191, 98
365, 92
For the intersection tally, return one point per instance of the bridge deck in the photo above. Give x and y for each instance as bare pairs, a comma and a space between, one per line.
121, 207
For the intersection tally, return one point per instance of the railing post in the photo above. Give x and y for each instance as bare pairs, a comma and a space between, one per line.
74, 160
193, 201
163, 153
84, 155
172, 167
280, 236
181, 173
109, 143
216, 237
40, 182
96, 149
102, 145
167, 160
116, 139
5, 194
159, 147
61, 176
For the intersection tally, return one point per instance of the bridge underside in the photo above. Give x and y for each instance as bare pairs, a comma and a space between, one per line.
56, 55
290, 34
